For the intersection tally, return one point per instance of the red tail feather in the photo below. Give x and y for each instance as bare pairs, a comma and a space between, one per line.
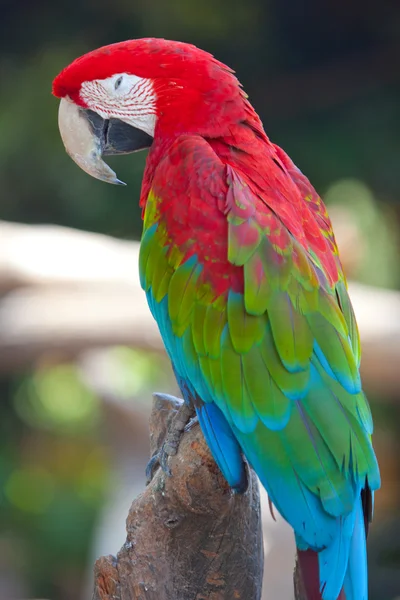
309, 569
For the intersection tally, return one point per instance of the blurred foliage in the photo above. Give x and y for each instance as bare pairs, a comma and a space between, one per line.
368, 234
339, 123
55, 399
55, 464
53, 476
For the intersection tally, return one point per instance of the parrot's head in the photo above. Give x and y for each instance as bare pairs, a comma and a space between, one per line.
119, 98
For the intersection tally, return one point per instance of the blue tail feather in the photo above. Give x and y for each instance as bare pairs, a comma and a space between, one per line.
356, 578
333, 560
340, 542
223, 445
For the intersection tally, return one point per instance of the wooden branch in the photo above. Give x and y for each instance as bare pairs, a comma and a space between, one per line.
189, 537
299, 592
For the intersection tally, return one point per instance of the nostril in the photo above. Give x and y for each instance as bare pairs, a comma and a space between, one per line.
172, 521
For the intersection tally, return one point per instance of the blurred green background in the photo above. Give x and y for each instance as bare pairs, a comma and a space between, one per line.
325, 78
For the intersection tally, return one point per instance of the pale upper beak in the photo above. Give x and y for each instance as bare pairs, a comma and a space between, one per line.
87, 137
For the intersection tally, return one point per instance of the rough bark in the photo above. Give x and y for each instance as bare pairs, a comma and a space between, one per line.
188, 536
299, 592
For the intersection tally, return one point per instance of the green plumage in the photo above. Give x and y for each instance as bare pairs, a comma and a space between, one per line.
256, 363
279, 358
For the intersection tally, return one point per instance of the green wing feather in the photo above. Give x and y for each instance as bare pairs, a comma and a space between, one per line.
280, 359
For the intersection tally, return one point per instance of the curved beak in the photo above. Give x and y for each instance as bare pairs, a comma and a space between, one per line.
87, 137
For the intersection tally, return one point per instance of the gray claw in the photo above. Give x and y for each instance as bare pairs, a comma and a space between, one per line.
151, 467
193, 421
177, 427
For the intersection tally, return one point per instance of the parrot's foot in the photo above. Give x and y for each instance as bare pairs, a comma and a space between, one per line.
182, 420
193, 421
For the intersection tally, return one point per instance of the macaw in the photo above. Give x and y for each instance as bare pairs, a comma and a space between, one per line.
242, 274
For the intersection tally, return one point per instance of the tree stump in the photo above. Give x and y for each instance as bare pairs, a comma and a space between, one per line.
299, 591
189, 537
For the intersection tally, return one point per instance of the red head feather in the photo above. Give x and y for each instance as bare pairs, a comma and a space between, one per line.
194, 91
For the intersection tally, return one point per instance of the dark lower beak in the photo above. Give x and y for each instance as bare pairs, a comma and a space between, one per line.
117, 137
88, 137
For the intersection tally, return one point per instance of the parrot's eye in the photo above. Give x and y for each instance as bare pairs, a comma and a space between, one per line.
118, 82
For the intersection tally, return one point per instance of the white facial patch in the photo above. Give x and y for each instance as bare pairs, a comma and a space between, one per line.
126, 97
